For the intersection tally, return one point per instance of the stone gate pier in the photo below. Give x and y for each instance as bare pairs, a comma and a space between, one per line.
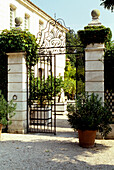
94, 66
17, 90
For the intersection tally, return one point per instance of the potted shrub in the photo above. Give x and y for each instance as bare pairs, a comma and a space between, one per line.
6, 111
88, 115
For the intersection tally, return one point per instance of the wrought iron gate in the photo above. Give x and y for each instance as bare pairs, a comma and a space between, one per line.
42, 92
43, 79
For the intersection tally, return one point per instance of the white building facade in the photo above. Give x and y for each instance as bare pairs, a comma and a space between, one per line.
34, 20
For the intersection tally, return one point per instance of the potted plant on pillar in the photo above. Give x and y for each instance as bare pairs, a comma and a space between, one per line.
87, 116
6, 111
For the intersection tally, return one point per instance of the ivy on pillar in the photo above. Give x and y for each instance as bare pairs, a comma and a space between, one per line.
95, 37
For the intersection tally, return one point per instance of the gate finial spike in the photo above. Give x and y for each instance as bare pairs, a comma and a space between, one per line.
55, 16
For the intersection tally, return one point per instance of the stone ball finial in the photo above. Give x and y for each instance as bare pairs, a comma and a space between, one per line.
95, 14
18, 21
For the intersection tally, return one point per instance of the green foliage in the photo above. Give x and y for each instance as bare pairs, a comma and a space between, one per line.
74, 47
109, 68
70, 80
6, 110
16, 40
95, 34
89, 114
42, 90
75, 52
72, 40
108, 4
3, 75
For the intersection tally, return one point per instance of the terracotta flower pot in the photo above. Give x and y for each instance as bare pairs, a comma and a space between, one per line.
87, 138
0, 129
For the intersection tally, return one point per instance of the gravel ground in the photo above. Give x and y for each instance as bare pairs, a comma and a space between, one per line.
49, 152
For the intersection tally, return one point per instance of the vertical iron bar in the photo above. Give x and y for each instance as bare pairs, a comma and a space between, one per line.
76, 77
27, 100
37, 92
51, 87
54, 94
34, 97
6, 129
41, 94
30, 91
44, 91
48, 83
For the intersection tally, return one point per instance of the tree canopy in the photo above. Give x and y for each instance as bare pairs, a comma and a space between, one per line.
108, 4
74, 47
74, 71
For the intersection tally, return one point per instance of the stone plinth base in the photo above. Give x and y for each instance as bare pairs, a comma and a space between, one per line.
109, 136
18, 127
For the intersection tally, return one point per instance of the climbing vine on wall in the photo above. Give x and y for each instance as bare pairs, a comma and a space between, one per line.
15, 40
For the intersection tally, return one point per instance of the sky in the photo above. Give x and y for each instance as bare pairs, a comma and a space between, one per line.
76, 13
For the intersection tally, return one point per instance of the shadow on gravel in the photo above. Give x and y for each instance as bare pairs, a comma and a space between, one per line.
55, 143
50, 152
42, 153
58, 134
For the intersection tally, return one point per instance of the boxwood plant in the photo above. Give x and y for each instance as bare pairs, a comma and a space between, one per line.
88, 113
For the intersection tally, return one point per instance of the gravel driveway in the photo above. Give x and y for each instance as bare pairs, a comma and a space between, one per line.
49, 152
